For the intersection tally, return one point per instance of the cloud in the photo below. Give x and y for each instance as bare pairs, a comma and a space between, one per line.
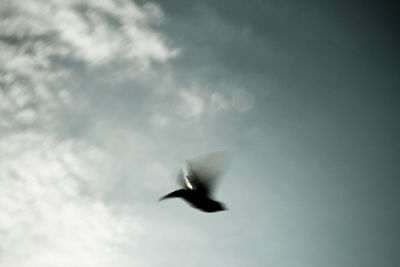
94, 31
47, 45
53, 182
189, 104
45, 220
192, 104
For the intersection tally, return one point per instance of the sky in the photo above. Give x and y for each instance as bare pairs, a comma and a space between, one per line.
101, 103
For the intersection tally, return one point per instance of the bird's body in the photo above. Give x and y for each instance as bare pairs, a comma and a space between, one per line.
198, 184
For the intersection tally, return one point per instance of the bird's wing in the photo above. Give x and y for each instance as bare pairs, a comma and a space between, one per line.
203, 171
183, 181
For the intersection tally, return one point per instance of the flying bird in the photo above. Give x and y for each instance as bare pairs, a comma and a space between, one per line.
199, 183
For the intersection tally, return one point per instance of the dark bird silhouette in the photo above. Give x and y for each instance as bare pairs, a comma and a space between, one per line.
198, 185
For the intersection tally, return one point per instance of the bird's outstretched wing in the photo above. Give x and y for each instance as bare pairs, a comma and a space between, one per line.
183, 181
203, 171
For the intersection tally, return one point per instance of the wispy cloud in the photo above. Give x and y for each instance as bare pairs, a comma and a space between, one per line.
51, 208
94, 31
189, 104
45, 219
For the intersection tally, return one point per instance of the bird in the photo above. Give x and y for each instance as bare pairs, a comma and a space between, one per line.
199, 183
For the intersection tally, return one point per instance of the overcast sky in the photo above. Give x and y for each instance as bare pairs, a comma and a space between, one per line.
101, 102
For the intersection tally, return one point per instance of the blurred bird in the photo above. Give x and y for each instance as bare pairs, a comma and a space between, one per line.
198, 185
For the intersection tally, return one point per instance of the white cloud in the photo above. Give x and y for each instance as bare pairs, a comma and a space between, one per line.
38, 38
187, 104
26, 116
35, 33
159, 119
218, 101
45, 220
101, 31
52, 211
192, 104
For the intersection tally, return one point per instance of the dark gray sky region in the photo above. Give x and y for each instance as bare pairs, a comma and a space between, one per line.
101, 103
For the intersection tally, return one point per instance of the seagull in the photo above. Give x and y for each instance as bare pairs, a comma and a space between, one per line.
198, 185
